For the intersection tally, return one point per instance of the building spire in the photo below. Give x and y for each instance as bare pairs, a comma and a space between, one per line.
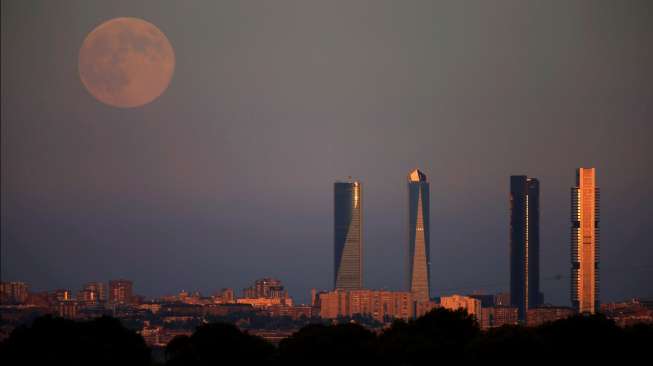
417, 176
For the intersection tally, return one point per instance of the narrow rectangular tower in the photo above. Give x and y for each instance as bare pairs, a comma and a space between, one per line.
585, 242
419, 263
524, 243
348, 236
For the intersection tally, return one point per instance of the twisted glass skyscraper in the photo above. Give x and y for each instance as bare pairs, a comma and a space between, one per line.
419, 264
348, 238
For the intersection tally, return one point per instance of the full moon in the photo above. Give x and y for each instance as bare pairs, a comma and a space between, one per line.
126, 62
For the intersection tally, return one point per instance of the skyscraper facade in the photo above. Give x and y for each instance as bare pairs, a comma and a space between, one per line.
419, 264
348, 236
524, 243
585, 242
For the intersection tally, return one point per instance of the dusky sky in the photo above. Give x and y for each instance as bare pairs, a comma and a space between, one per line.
228, 176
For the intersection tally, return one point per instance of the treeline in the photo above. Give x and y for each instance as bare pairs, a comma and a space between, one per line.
440, 337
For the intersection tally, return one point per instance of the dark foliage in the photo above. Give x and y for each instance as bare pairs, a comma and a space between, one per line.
440, 335
57, 341
329, 345
218, 344
506, 343
586, 339
582, 339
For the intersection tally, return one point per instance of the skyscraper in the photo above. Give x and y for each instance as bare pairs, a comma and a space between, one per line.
121, 291
348, 238
585, 242
419, 263
524, 243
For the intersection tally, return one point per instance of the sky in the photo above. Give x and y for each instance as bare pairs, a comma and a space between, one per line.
228, 176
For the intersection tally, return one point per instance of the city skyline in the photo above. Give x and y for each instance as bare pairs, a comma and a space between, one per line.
226, 175
523, 285
524, 244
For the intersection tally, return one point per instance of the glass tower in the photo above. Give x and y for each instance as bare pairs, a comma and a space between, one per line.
524, 244
348, 238
585, 242
419, 264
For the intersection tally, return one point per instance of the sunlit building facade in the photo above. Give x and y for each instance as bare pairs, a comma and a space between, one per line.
585, 242
419, 264
524, 243
348, 236
379, 304
265, 302
469, 304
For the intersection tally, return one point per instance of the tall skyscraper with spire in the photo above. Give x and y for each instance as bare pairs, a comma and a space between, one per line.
585, 242
348, 235
419, 263
524, 243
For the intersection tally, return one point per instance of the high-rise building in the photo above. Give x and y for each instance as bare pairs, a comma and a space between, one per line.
585, 242
265, 288
62, 295
524, 243
87, 297
419, 263
121, 291
98, 289
13, 292
348, 236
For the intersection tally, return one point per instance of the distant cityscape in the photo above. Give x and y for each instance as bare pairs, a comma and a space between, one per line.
267, 309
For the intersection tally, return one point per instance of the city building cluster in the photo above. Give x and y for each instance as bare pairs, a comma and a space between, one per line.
524, 252
266, 308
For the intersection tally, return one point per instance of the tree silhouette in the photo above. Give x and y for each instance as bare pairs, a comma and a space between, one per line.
508, 342
180, 351
638, 340
440, 334
582, 338
318, 344
49, 340
217, 344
